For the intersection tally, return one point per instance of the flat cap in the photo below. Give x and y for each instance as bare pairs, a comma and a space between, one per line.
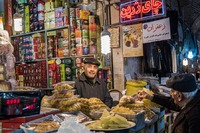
182, 83
91, 61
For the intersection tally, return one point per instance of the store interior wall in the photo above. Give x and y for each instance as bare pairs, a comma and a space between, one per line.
132, 66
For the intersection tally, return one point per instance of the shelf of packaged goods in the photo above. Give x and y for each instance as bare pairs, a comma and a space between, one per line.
74, 56
29, 33
57, 28
36, 60
78, 56
55, 58
39, 31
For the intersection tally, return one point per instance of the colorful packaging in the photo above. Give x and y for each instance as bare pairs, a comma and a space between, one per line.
84, 14
72, 12
85, 25
78, 24
77, 13
92, 49
73, 21
85, 33
78, 33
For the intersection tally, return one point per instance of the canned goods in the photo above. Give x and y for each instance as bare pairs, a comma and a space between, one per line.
85, 50
93, 49
85, 42
77, 13
72, 12
91, 19
73, 21
85, 33
41, 15
68, 70
40, 6
79, 50
78, 62
78, 24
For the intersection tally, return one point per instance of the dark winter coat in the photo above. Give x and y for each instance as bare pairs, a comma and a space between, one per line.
86, 89
188, 119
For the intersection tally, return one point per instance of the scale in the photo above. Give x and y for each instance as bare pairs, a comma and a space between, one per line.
19, 103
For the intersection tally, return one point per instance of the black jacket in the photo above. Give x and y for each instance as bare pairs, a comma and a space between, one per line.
188, 119
87, 90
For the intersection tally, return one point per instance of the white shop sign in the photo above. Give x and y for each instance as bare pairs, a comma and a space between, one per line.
156, 31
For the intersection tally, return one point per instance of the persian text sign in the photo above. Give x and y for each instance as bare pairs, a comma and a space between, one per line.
141, 10
156, 31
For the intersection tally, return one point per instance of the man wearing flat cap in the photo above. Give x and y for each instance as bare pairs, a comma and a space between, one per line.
185, 98
88, 85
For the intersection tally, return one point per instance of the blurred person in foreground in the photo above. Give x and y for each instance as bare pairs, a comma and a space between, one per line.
88, 85
185, 99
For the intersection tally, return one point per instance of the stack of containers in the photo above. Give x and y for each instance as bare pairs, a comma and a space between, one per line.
27, 19
16, 43
84, 16
52, 72
55, 72
63, 43
72, 30
62, 72
21, 50
50, 43
49, 15
41, 14
33, 12
18, 17
92, 35
79, 47
65, 15
59, 16
68, 68
39, 47
32, 74
28, 48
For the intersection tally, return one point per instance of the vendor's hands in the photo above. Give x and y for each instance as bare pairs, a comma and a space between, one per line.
142, 94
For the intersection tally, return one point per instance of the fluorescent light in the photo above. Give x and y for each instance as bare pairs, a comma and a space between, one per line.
105, 41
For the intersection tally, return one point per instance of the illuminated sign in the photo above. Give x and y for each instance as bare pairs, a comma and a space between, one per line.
138, 10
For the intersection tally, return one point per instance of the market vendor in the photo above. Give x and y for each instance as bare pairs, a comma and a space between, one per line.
185, 98
88, 85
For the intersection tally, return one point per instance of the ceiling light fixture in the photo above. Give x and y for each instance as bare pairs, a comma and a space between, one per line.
105, 34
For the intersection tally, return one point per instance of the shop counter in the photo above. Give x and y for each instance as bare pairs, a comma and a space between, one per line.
12, 124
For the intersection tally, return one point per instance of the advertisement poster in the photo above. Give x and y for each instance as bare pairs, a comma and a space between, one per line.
132, 40
156, 31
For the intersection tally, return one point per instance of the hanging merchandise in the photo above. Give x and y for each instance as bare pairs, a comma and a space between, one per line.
174, 60
92, 35
158, 58
6, 50
18, 18
190, 45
